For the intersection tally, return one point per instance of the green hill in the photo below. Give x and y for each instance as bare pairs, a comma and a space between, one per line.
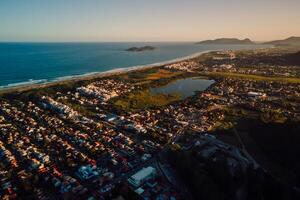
295, 41
227, 41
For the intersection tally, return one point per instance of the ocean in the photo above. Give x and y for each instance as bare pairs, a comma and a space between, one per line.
32, 63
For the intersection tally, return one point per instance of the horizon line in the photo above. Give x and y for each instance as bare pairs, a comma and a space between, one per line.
132, 41
96, 41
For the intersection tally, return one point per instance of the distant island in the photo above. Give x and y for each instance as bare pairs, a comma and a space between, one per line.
139, 49
294, 41
227, 41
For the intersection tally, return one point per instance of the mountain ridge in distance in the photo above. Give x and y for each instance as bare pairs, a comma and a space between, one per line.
227, 41
291, 41
288, 41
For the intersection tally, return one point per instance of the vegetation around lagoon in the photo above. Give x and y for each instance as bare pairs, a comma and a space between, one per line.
144, 99
253, 77
149, 75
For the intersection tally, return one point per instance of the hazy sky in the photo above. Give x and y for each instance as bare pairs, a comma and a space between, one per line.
147, 20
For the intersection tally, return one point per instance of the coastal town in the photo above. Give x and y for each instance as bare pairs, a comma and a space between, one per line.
76, 142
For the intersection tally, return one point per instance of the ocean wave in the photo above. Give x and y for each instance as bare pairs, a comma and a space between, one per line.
69, 77
24, 83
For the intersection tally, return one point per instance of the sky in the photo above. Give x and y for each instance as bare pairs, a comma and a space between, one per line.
147, 20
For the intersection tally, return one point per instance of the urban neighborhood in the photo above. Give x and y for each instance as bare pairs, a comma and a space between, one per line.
77, 142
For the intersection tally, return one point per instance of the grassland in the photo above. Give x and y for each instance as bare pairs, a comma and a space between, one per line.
149, 75
252, 77
143, 99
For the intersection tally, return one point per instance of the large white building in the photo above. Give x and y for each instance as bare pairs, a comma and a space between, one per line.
141, 176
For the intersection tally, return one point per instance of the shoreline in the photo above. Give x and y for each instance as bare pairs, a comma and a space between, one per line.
93, 75
44, 83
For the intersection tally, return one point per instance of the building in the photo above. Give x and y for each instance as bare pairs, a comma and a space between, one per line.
87, 172
256, 94
141, 176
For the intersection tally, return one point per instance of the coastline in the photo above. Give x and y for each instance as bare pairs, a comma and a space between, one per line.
35, 84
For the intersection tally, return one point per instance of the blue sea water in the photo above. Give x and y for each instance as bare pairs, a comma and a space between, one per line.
31, 63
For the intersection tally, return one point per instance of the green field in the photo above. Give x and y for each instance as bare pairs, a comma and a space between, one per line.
144, 99
253, 77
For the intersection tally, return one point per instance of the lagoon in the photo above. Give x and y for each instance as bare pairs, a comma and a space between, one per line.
185, 87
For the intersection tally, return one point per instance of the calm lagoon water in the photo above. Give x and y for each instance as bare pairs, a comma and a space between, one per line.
30, 63
185, 87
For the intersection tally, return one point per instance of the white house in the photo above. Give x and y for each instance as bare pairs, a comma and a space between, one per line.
141, 176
